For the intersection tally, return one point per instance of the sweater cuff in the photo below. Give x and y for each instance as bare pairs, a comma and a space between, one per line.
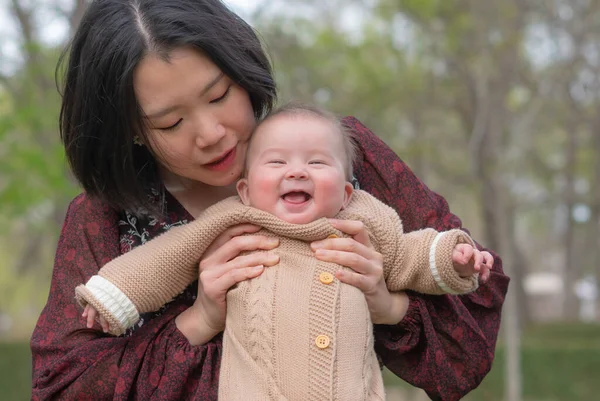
442, 268
113, 300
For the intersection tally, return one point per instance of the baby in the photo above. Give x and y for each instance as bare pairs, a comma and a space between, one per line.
295, 332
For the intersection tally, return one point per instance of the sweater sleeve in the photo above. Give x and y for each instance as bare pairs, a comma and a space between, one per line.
421, 260
424, 263
73, 362
445, 344
151, 275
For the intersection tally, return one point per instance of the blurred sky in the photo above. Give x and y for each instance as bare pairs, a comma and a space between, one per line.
55, 29
541, 46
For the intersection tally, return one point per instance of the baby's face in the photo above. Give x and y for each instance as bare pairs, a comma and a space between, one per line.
296, 169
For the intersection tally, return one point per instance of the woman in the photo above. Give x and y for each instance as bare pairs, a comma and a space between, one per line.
159, 101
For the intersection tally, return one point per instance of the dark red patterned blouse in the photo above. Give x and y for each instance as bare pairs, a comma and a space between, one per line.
445, 344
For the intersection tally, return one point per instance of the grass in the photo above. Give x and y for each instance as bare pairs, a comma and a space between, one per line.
559, 362
15, 371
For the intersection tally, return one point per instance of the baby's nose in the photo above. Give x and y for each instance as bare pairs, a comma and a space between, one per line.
296, 174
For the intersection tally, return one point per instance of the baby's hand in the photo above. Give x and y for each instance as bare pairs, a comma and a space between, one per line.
468, 261
90, 313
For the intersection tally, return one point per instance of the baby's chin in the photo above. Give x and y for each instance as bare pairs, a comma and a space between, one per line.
301, 218
297, 219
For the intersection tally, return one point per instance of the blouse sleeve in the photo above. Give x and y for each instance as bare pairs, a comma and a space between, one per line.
73, 362
445, 344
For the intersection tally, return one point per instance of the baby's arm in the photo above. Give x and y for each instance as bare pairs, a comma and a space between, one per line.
152, 274
141, 280
422, 260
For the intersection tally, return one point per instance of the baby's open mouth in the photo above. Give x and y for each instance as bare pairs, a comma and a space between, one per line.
296, 197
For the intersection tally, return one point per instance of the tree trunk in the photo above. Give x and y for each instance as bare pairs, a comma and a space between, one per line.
571, 269
499, 226
518, 270
595, 208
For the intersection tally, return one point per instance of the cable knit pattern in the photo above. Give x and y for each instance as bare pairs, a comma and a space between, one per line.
273, 321
248, 339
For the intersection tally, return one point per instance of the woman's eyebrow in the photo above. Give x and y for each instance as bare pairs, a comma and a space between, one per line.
207, 87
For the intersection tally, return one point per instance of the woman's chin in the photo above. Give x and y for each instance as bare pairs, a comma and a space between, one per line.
223, 179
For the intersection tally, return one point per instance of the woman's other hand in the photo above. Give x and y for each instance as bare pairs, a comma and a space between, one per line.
366, 274
222, 267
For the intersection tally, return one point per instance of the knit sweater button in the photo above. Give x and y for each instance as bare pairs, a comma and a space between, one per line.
326, 278
332, 236
322, 341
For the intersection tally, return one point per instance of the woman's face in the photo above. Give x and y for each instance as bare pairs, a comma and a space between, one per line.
199, 120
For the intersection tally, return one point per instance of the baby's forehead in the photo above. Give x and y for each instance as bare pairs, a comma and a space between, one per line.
281, 126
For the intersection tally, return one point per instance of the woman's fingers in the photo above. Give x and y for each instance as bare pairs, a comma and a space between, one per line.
365, 274
238, 275
228, 234
354, 228
356, 253
222, 267
236, 245
344, 244
354, 279
250, 260
356, 262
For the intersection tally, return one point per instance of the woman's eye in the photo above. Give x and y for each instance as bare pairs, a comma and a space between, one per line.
222, 97
172, 127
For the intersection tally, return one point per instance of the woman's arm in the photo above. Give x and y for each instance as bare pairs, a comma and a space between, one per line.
445, 344
73, 362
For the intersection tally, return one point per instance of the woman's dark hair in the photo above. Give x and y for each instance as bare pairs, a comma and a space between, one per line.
100, 115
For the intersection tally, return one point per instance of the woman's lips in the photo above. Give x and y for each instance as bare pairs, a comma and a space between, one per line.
224, 163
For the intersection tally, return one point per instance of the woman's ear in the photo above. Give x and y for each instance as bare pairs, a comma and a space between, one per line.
242, 190
348, 190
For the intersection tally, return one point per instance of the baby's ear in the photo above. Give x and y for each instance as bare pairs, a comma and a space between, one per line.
242, 190
348, 190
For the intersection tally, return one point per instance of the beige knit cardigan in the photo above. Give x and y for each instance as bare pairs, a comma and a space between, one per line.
292, 333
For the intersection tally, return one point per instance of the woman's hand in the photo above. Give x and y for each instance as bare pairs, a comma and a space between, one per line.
358, 254
221, 268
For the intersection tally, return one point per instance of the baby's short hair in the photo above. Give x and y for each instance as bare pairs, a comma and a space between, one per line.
299, 109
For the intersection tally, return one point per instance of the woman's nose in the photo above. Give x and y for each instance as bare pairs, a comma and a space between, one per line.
209, 132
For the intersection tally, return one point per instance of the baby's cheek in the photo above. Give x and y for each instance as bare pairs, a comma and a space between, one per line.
264, 193
334, 200
265, 186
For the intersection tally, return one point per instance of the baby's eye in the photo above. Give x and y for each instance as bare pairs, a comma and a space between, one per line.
316, 162
276, 162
